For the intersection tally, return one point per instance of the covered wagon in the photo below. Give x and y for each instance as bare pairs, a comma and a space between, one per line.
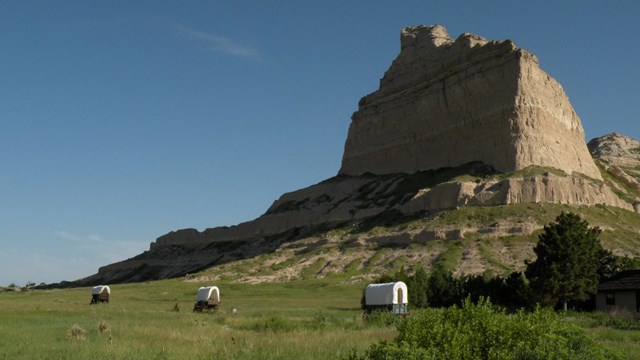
208, 298
391, 296
100, 294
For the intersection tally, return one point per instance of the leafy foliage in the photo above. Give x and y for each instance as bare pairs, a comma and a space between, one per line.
610, 264
441, 289
483, 332
512, 292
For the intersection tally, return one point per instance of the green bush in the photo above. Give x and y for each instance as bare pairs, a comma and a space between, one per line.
483, 332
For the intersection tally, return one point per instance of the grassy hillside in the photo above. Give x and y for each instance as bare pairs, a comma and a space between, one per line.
494, 240
358, 228
491, 242
310, 319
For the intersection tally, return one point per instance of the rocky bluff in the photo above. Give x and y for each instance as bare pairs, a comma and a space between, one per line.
454, 123
446, 102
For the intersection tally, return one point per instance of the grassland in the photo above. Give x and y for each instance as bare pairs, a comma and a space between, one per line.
311, 319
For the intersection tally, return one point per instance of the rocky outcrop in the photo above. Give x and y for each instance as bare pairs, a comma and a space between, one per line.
500, 111
616, 149
455, 123
619, 157
446, 102
349, 199
546, 188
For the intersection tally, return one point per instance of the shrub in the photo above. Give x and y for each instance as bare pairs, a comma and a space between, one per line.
102, 326
76, 332
483, 332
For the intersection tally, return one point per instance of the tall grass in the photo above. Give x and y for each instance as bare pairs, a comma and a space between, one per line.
311, 319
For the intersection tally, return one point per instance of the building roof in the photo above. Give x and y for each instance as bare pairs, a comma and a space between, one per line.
625, 280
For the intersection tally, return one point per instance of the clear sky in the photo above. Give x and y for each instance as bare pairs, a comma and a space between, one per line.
124, 120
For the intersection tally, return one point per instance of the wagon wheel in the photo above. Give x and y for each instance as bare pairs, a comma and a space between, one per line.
197, 307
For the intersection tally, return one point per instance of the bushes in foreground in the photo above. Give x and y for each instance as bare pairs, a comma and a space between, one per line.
482, 332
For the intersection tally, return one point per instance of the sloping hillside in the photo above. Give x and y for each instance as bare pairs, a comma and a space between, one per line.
618, 158
470, 240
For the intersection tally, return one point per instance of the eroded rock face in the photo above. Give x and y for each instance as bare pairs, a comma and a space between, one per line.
450, 117
619, 157
446, 102
348, 199
616, 149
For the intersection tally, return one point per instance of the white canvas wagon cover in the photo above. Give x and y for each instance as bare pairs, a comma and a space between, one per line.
206, 293
386, 294
97, 290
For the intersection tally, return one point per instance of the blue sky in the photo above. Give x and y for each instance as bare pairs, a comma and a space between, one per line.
124, 120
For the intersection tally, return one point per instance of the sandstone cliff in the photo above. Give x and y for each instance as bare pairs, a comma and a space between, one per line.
456, 124
616, 149
619, 158
446, 102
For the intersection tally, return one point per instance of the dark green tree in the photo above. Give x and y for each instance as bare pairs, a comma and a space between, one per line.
566, 267
417, 287
443, 290
611, 264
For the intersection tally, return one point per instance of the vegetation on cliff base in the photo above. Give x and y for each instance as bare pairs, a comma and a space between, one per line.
567, 259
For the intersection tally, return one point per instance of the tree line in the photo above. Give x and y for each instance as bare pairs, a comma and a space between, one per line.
570, 262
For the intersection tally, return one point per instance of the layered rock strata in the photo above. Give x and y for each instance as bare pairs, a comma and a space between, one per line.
446, 102
465, 122
619, 157
346, 199
616, 149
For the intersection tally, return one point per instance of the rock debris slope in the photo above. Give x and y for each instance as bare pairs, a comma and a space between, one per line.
455, 123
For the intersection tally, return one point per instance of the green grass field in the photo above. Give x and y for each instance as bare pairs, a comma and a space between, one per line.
311, 319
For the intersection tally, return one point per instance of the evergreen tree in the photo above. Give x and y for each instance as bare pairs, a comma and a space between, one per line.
443, 290
566, 267
611, 264
417, 287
